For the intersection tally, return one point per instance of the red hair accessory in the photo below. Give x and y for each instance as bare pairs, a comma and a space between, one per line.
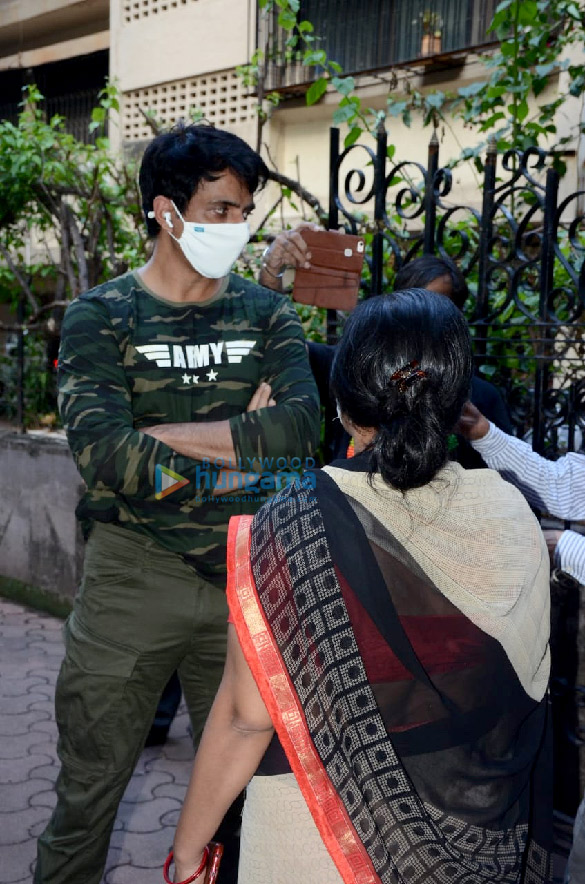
406, 375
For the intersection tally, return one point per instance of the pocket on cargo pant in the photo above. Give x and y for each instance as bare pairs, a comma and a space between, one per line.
89, 697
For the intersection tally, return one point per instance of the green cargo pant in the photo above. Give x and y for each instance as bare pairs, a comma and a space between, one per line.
140, 614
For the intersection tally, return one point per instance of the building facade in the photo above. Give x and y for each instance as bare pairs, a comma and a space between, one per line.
172, 57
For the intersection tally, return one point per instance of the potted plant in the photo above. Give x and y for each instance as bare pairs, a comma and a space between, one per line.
432, 29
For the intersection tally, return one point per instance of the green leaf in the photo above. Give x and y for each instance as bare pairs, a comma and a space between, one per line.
496, 91
471, 90
509, 49
316, 90
344, 114
487, 370
543, 70
436, 99
344, 85
527, 12
287, 19
502, 16
520, 110
491, 121
98, 115
396, 108
314, 56
352, 136
305, 27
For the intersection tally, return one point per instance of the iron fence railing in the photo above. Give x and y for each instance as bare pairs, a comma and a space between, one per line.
522, 249
373, 35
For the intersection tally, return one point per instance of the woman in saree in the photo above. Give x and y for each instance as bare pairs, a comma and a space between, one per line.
384, 696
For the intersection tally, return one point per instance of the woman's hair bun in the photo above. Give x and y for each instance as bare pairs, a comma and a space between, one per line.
404, 366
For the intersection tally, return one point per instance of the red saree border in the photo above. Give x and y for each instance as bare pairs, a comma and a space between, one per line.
277, 691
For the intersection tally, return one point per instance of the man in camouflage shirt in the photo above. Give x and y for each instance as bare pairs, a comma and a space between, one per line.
175, 381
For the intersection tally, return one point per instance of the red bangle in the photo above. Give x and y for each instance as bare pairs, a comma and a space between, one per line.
195, 874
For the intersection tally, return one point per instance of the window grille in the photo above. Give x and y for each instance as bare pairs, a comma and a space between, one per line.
221, 97
136, 9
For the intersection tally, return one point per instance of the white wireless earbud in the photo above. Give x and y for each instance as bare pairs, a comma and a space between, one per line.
167, 217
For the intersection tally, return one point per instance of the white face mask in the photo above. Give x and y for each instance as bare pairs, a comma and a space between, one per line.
212, 249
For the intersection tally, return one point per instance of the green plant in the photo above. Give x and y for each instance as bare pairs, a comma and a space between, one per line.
534, 36
70, 218
39, 385
54, 188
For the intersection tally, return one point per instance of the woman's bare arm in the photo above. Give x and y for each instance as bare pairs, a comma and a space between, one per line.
235, 738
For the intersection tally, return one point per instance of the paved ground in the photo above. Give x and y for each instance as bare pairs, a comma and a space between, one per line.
30, 654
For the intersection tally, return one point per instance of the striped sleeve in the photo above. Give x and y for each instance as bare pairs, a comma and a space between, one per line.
570, 555
556, 487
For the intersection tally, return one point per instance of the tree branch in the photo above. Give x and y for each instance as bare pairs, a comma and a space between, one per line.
301, 192
65, 246
151, 122
33, 322
79, 249
19, 278
255, 237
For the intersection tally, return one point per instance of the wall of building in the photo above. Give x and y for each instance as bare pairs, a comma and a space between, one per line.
300, 135
40, 541
171, 57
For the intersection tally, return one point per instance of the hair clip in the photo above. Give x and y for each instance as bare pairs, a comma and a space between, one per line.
406, 375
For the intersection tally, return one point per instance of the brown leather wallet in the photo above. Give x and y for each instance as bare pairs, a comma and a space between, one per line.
333, 279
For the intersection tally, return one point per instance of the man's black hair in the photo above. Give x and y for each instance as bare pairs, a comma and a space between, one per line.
175, 163
419, 273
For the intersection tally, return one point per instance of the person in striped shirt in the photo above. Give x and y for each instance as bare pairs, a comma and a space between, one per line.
559, 488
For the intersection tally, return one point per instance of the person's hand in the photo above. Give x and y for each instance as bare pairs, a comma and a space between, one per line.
552, 538
262, 398
472, 424
289, 249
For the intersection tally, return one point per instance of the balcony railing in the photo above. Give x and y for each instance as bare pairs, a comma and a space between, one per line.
373, 35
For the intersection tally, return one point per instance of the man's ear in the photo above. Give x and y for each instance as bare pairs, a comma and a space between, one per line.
164, 213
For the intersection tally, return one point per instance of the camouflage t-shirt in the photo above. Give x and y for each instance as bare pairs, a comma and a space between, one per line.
130, 359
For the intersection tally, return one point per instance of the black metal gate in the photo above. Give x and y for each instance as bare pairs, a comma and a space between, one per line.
522, 250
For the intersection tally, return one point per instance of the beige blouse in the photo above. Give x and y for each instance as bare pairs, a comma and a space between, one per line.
475, 537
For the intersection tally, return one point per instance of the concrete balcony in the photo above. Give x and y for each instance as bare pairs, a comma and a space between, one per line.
29, 29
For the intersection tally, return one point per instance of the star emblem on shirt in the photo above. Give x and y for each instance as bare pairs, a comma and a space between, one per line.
190, 378
212, 375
